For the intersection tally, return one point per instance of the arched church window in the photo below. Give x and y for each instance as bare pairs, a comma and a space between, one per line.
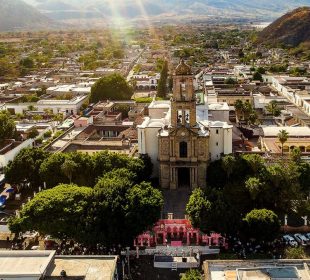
187, 116
183, 89
183, 149
180, 117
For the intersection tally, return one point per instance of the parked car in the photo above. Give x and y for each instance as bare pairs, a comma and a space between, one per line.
301, 239
289, 240
308, 235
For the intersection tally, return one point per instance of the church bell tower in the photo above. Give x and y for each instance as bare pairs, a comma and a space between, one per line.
183, 103
183, 147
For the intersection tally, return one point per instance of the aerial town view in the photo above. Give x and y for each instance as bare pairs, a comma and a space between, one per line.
154, 140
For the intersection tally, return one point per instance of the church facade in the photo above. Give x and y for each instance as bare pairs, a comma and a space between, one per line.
183, 152
176, 135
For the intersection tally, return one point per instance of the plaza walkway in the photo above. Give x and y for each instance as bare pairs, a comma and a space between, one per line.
175, 202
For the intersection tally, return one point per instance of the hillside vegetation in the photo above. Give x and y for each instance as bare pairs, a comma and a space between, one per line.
291, 29
17, 15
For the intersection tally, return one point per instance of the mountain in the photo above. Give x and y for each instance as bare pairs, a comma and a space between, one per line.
132, 9
17, 15
291, 29
49, 14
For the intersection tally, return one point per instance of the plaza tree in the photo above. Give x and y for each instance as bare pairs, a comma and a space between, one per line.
123, 209
68, 168
26, 166
198, 208
51, 171
248, 181
262, 224
78, 168
282, 137
253, 185
115, 211
228, 163
7, 126
61, 212
113, 87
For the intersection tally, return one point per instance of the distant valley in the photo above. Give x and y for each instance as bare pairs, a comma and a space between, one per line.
46, 14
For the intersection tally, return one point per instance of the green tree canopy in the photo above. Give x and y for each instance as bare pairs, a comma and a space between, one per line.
198, 208
7, 126
253, 185
192, 274
61, 212
262, 224
230, 81
162, 83
51, 171
33, 133
113, 87
26, 62
273, 108
26, 166
68, 167
257, 76
114, 212
122, 212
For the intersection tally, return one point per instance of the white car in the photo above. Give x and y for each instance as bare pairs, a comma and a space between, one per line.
290, 240
301, 239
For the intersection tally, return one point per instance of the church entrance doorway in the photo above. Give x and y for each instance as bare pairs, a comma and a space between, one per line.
184, 178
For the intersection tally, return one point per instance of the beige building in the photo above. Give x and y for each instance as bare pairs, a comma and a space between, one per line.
298, 136
176, 135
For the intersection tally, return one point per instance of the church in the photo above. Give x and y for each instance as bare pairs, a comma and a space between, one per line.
179, 138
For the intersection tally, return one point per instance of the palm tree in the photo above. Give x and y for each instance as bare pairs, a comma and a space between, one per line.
247, 110
238, 107
68, 168
58, 117
282, 136
273, 108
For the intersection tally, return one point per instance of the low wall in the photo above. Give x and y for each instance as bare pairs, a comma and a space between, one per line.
290, 229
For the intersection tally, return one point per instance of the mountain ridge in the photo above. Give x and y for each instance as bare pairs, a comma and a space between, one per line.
16, 15
134, 8
292, 29
60, 14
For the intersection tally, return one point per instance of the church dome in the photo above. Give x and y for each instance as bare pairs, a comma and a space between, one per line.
183, 69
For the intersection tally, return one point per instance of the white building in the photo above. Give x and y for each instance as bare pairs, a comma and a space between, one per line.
145, 81
220, 132
65, 107
12, 148
78, 89
287, 87
35, 265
